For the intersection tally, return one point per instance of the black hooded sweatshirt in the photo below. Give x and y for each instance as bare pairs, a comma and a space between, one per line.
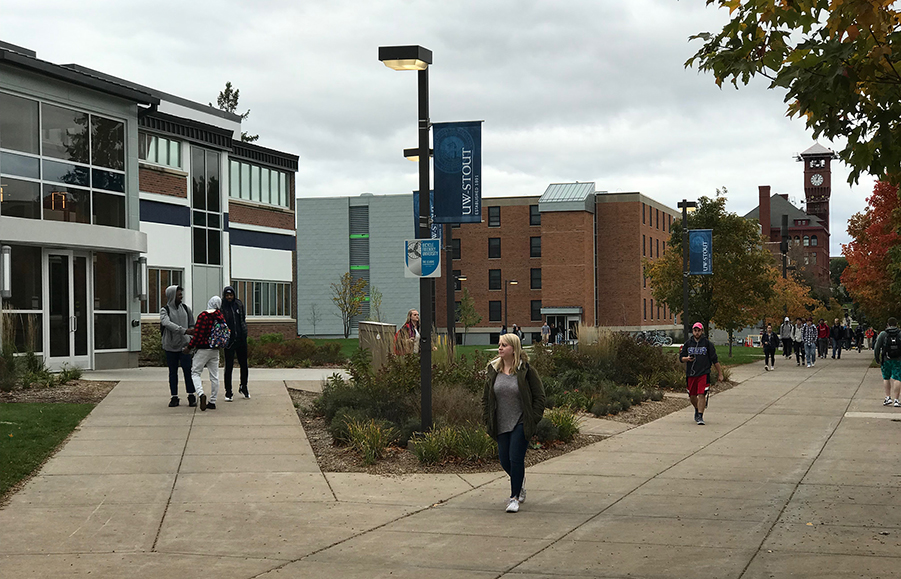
235, 316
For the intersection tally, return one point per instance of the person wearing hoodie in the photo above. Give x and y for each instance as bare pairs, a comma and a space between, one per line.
785, 334
236, 318
206, 356
822, 338
176, 321
798, 341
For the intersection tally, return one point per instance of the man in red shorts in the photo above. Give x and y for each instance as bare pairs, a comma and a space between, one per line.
699, 354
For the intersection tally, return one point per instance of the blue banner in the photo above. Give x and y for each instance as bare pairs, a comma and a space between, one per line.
458, 172
700, 251
436, 228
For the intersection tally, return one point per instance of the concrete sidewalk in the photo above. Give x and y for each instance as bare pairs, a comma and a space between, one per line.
795, 474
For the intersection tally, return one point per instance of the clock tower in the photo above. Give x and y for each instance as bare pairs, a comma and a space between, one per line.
818, 181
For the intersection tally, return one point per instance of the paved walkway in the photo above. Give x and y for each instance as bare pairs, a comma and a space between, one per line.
795, 474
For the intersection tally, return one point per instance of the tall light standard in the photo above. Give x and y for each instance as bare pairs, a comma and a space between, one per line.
685, 205
507, 283
418, 58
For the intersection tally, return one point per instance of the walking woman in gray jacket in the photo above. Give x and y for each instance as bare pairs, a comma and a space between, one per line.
512, 405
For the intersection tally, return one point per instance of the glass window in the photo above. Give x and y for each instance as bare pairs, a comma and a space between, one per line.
110, 281
245, 181
644, 244
146, 147
64, 203
494, 247
534, 215
535, 278
494, 311
813, 258
535, 310
494, 279
26, 283
109, 209
64, 134
234, 182
214, 253
108, 180
494, 217
806, 241
534, 247
273, 299
19, 124
212, 181
254, 183
455, 249
283, 190
110, 331
199, 245
107, 143
264, 295
66, 173
20, 199
199, 178
174, 159
813, 240
265, 186
12, 164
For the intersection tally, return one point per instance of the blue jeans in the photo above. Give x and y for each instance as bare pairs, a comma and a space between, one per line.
511, 450
836, 347
174, 360
810, 351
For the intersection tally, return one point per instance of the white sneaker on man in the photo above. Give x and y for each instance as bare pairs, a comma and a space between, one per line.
887, 401
513, 505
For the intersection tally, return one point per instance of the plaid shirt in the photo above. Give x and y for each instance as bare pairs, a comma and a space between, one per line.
202, 328
809, 332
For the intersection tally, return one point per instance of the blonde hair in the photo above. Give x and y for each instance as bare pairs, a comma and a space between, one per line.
519, 356
410, 316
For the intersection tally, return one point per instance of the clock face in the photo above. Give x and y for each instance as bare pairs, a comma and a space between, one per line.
816, 179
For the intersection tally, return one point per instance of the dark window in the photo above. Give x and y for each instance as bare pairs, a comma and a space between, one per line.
494, 311
20, 199
534, 247
64, 134
658, 310
658, 247
644, 244
455, 226
494, 247
455, 248
534, 215
645, 307
109, 210
494, 217
645, 282
652, 309
535, 278
642, 214
536, 310
658, 218
19, 129
458, 285
107, 143
494, 279
64, 203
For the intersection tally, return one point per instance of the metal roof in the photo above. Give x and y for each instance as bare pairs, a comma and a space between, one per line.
780, 206
565, 192
817, 149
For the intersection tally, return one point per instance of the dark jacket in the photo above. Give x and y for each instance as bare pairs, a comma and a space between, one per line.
769, 341
836, 333
203, 327
530, 390
704, 353
235, 317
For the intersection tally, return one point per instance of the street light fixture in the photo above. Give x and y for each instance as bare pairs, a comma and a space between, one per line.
507, 283
418, 58
685, 205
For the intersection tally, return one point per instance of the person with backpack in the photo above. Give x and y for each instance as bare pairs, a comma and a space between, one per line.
699, 354
176, 323
236, 318
798, 341
822, 339
810, 343
888, 353
210, 333
785, 334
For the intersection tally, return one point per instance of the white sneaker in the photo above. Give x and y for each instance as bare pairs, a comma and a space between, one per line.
513, 506
897, 404
767, 368
808, 365
887, 401
522, 495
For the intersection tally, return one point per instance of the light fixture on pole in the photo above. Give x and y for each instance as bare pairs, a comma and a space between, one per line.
418, 58
6, 272
685, 205
507, 283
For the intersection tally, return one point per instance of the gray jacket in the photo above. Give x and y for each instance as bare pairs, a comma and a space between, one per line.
785, 331
174, 322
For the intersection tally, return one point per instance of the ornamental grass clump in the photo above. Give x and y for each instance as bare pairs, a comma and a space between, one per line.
565, 420
370, 438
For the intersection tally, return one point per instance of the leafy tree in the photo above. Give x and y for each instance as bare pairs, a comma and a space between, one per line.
872, 276
466, 313
743, 270
837, 267
375, 304
349, 295
790, 298
837, 60
228, 101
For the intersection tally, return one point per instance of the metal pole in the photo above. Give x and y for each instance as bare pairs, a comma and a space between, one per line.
685, 321
505, 303
425, 284
451, 288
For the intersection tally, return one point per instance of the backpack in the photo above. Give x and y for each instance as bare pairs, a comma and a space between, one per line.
220, 334
892, 344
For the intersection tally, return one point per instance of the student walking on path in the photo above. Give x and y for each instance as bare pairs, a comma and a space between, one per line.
785, 333
798, 341
208, 338
512, 405
176, 323
236, 318
836, 334
406, 339
699, 355
822, 339
770, 342
810, 342
888, 353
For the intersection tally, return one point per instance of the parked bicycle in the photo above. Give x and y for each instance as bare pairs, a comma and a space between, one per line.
654, 338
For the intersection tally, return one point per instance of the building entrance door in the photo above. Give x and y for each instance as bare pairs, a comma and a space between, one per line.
67, 327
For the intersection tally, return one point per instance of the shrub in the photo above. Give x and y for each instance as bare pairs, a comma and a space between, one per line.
565, 420
370, 438
9, 370
274, 338
152, 353
336, 394
68, 373
339, 427
407, 431
615, 408
432, 447
656, 395
600, 408
546, 431
456, 405
474, 444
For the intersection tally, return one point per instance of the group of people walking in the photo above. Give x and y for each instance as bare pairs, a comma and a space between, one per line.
193, 345
810, 341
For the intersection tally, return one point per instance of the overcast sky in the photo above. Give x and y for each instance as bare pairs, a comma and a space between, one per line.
583, 90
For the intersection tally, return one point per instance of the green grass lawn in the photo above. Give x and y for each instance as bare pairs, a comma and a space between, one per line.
29, 433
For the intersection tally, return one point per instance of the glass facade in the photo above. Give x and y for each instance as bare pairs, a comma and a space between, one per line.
259, 184
264, 298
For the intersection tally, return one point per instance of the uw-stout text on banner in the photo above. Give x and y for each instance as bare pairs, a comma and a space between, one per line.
458, 172
435, 227
700, 251
422, 258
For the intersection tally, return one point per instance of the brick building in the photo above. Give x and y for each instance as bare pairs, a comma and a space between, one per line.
575, 255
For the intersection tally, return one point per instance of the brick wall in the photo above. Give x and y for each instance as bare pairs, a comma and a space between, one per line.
162, 182
287, 329
262, 216
567, 251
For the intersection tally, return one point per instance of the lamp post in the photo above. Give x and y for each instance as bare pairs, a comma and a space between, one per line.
507, 283
685, 205
418, 58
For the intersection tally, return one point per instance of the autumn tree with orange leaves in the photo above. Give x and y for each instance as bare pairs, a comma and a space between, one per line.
873, 275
